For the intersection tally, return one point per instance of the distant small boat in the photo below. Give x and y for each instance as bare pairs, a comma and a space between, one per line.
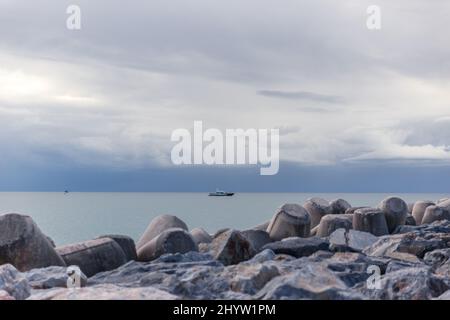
220, 193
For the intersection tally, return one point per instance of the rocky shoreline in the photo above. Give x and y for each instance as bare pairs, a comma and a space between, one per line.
318, 250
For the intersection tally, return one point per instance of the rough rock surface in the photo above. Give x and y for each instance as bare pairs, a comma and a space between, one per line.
298, 247
232, 247
351, 240
257, 238
13, 283
23, 244
51, 277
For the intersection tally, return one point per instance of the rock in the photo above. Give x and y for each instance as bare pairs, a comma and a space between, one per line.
5, 296
410, 206
51, 277
219, 232
409, 243
250, 278
126, 243
339, 206
93, 256
263, 256
298, 247
419, 210
23, 245
445, 204
353, 209
410, 221
200, 236
257, 238
104, 292
351, 240
408, 284
437, 258
330, 223
173, 240
157, 226
314, 231
291, 220
313, 281
370, 220
317, 208
262, 226
232, 247
13, 283
395, 211
444, 296
435, 213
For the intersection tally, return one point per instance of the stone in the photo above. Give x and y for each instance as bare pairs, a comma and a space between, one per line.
353, 209
51, 277
437, 258
126, 243
313, 281
444, 296
250, 278
174, 240
435, 213
317, 208
330, 223
410, 207
263, 226
419, 210
13, 282
200, 236
410, 221
93, 256
157, 226
220, 231
232, 247
395, 211
257, 238
408, 284
339, 206
351, 240
298, 247
370, 220
291, 220
23, 244
104, 292
4, 296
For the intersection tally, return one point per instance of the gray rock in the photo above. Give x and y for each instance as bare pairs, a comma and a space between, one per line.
126, 243
410, 221
291, 220
437, 258
13, 282
51, 277
444, 296
419, 210
200, 236
23, 244
250, 278
219, 232
370, 220
408, 284
351, 240
330, 223
232, 247
353, 209
257, 238
173, 240
339, 206
317, 208
93, 256
157, 226
410, 207
395, 211
5, 296
104, 292
435, 213
298, 247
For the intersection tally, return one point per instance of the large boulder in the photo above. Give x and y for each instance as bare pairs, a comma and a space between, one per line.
370, 220
351, 240
317, 208
93, 256
200, 236
298, 247
339, 206
435, 213
157, 226
419, 210
13, 282
291, 220
23, 244
173, 240
232, 247
395, 211
257, 238
330, 223
126, 243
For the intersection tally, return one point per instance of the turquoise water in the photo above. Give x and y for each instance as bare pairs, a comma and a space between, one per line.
81, 216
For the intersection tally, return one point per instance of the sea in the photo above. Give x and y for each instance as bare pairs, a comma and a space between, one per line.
74, 217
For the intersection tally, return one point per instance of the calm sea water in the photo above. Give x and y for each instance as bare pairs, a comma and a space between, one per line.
81, 216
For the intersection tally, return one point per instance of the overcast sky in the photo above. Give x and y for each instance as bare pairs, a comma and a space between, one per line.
358, 109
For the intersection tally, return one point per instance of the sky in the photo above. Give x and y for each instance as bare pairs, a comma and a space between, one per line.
93, 109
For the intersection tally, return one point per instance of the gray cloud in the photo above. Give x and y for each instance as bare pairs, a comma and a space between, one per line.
301, 95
